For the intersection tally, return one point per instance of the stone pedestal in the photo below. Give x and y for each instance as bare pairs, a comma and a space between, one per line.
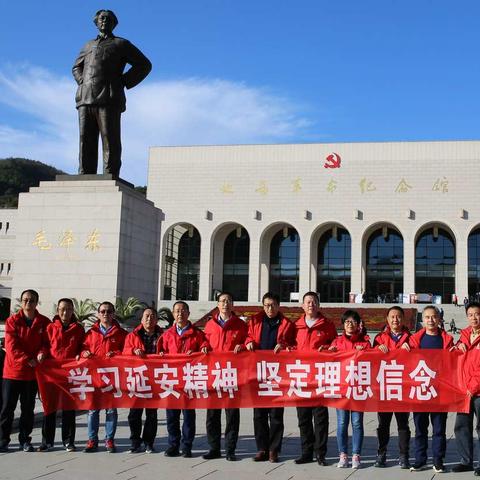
86, 238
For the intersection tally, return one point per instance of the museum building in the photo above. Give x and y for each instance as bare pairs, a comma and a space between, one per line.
383, 220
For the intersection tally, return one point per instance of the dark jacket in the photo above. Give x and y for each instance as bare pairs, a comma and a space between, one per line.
99, 68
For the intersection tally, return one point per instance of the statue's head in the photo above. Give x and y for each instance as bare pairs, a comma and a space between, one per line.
105, 20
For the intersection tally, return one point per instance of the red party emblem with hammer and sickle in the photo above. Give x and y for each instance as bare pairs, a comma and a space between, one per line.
333, 161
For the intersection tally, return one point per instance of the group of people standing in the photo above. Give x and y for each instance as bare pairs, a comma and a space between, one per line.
30, 338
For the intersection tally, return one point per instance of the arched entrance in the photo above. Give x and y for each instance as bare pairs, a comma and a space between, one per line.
334, 265
236, 255
284, 263
384, 265
435, 263
182, 263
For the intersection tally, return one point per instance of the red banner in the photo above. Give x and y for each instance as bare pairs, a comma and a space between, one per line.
368, 381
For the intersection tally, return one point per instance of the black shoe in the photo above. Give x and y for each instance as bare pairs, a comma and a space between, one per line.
187, 453
44, 447
211, 454
418, 467
381, 461
438, 467
28, 447
461, 467
171, 452
476, 472
135, 449
321, 461
404, 463
304, 459
4, 448
70, 447
231, 457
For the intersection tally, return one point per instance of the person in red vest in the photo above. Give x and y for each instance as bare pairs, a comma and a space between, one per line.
393, 336
63, 340
181, 337
469, 340
313, 333
225, 332
144, 340
105, 339
269, 330
431, 336
354, 338
23, 341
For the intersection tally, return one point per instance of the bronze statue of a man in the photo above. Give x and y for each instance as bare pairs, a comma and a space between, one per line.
100, 99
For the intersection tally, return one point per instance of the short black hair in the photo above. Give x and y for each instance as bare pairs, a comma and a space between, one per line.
31, 292
181, 302
472, 304
351, 314
66, 300
106, 303
398, 308
272, 296
311, 294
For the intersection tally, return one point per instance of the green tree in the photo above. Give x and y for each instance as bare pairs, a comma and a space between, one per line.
18, 175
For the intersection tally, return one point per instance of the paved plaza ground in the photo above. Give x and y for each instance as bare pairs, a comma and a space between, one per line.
59, 464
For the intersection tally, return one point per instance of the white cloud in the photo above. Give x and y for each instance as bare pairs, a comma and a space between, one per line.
177, 112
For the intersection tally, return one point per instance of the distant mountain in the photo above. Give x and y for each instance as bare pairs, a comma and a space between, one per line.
18, 175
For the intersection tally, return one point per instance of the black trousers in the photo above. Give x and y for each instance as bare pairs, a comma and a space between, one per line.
439, 438
383, 432
149, 427
184, 437
465, 423
268, 435
314, 437
12, 390
214, 428
68, 427
103, 121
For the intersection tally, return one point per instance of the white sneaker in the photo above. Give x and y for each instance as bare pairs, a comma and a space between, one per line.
356, 461
343, 461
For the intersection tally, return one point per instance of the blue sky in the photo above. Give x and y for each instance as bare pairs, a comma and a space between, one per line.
247, 71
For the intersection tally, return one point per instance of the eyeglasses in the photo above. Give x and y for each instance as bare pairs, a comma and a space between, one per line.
106, 312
